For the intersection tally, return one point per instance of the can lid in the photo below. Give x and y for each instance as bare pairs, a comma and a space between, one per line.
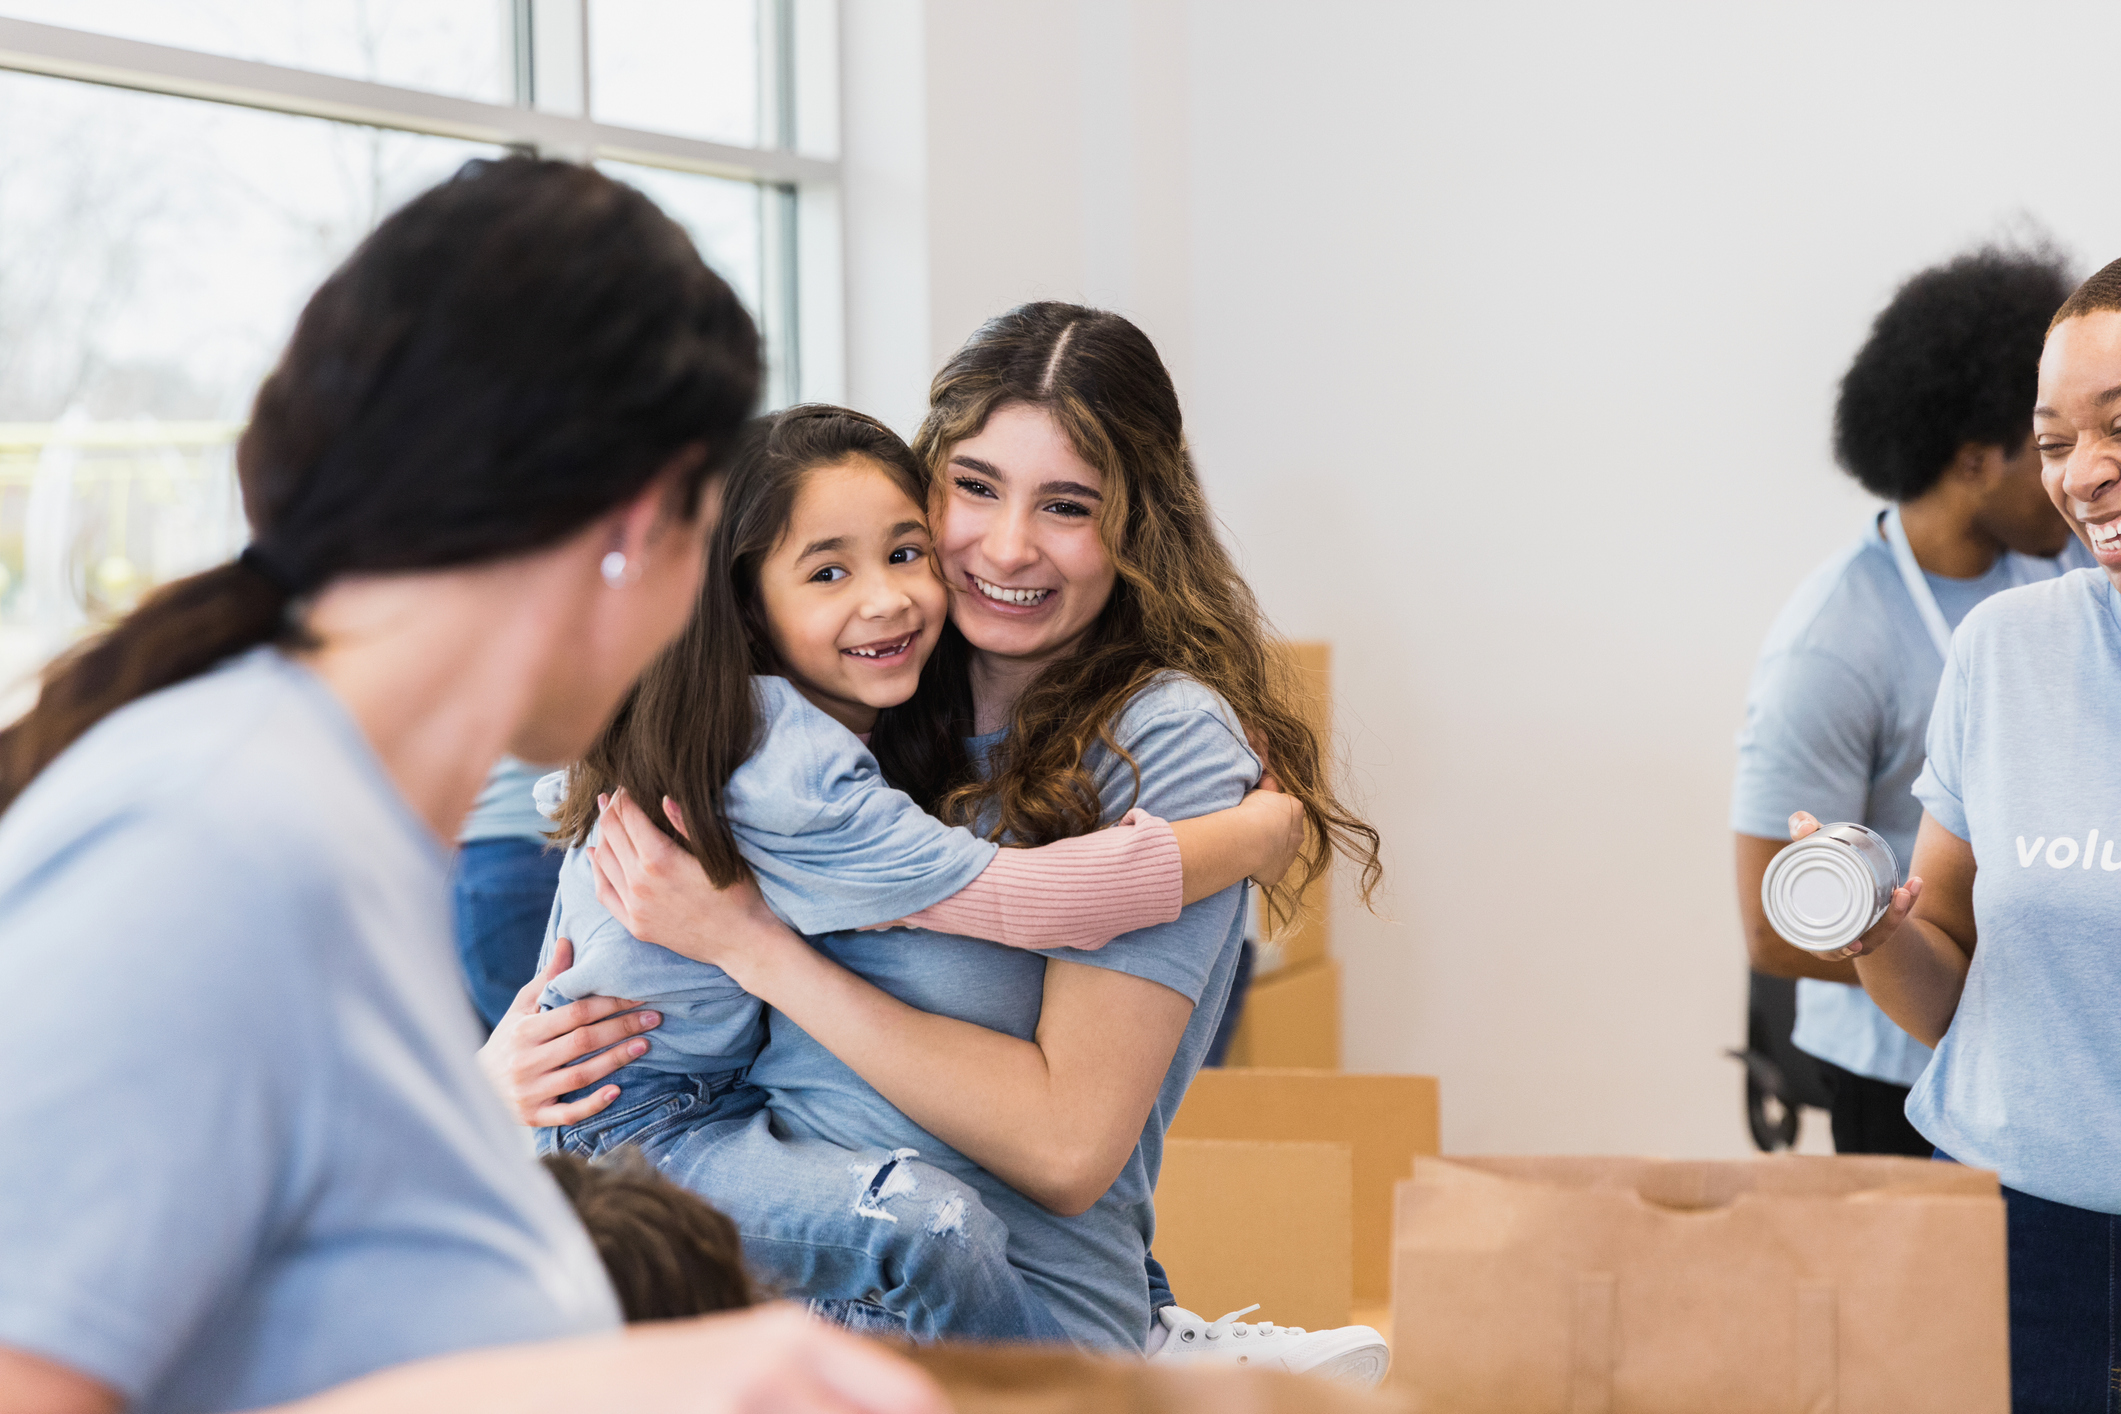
1819, 896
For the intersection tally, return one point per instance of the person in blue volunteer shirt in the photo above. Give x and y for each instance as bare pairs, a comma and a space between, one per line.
1932, 416
501, 886
2003, 949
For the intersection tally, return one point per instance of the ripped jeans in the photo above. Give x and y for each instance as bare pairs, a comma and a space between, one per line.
874, 1239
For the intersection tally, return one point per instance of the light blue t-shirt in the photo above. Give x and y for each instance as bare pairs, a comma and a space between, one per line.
2024, 766
249, 1154
1090, 1269
505, 809
832, 846
1834, 723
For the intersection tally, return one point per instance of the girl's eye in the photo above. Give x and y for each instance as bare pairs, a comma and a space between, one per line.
1068, 508
906, 555
830, 574
973, 487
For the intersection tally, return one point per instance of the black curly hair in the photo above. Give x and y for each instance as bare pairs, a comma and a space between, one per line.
1954, 359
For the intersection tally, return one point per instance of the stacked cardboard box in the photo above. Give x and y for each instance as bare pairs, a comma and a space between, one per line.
1277, 1188
1292, 1017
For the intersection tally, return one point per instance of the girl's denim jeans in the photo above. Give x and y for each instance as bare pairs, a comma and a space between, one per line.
873, 1239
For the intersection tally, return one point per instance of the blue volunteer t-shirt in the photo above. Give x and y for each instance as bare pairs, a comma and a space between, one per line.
1834, 723
2023, 766
832, 847
249, 1151
505, 809
1090, 1269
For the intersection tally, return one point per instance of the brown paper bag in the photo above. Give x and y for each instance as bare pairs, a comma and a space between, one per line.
1000, 1379
1638, 1286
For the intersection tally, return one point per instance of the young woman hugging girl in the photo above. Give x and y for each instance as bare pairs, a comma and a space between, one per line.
767, 734
1103, 655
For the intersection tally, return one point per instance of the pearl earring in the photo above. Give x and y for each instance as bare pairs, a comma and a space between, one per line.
614, 568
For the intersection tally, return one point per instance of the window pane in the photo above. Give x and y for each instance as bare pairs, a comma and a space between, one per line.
460, 47
721, 216
153, 254
689, 68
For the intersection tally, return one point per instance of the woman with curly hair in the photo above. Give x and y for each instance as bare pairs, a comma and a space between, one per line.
1104, 655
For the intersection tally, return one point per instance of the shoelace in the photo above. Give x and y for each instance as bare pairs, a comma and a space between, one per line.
1229, 1324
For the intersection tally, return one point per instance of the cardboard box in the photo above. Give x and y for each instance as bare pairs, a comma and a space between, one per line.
1758, 1286
1239, 1221
1304, 939
1386, 1120
1003, 1379
1291, 1018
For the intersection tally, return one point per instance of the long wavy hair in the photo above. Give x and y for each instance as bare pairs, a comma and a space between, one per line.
1178, 605
693, 717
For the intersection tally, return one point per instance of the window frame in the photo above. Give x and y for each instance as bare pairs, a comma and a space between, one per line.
801, 295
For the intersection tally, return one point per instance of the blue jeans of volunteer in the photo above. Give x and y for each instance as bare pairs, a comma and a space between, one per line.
2065, 1329
502, 892
874, 1239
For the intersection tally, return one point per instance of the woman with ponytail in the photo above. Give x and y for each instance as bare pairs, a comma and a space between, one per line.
251, 1154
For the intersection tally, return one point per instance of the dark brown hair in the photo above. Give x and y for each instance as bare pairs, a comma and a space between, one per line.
2099, 294
503, 360
693, 718
668, 1251
1178, 604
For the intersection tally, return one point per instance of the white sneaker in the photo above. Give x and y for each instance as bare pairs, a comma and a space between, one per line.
1351, 1355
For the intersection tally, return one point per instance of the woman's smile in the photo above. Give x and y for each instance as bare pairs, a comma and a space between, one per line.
1005, 596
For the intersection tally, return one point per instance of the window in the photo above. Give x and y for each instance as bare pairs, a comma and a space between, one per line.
175, 178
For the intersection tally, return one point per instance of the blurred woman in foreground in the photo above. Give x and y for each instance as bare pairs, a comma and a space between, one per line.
253, 1158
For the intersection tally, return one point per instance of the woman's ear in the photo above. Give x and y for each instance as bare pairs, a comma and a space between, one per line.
653, 523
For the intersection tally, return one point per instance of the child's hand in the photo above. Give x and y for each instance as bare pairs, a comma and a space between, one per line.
1282, 825
662, 895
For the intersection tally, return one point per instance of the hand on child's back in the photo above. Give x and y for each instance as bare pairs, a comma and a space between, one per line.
662, 895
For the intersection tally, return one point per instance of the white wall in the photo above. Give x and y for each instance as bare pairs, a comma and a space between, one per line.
1508, 338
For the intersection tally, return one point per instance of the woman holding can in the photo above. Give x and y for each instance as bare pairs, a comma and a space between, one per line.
2002, 950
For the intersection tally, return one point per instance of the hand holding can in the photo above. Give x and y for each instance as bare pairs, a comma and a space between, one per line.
1832, 892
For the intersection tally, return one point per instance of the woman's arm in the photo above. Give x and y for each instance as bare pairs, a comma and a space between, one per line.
1054, 1117
1258, 839
752, 1360
1914, 962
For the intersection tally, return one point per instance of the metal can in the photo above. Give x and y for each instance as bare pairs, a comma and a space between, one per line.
1826, 890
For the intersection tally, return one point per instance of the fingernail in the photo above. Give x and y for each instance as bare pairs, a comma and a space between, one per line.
651, 1018
636, 1048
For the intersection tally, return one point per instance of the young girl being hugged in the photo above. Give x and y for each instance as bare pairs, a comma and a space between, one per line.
767, 735
1116, 660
